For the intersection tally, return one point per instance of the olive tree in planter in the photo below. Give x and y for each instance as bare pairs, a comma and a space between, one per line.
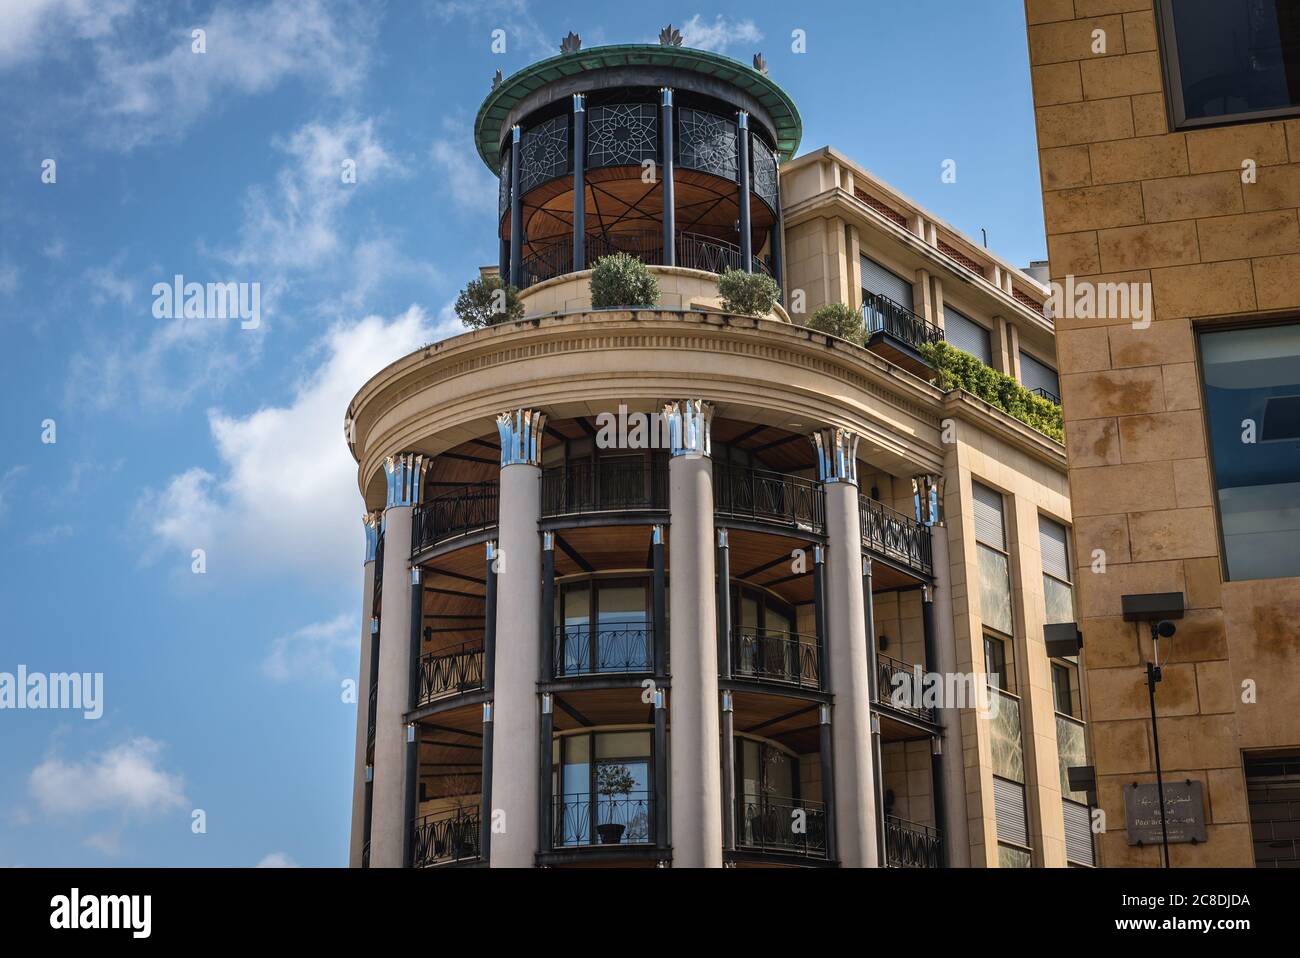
837, 319
487, 301
621, 281
612, 781
748, 294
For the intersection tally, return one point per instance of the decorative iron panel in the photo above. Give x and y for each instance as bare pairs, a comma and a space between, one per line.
445, 837
626, 818
469, 509
503, 186
610, 485
898, 686
763, 164
880, 314
769, 497
895, 536
777, 824
544, 153
450, 673
786, 658
608, 649
909, 845
708, 143
625, 134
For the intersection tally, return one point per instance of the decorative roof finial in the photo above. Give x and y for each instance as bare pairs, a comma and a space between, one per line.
760, 64
496, 79
571, 44
670, 36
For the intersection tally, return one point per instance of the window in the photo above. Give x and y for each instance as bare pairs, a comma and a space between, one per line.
880, 281
1229, 60
1252, 403
995, 662
994, 563
1273, 789
1058, 594
602, 789
607, 627
1039, 377
967, 335
1062, 689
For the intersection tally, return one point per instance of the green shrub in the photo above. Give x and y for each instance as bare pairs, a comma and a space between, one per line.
954, 369
621, 281
487, 301
748, 294
837, 319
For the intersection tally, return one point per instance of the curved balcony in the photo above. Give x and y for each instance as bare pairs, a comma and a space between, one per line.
909, 845
769, 498
614, 485
447, 673
899, 688
693, 251
787, 659
471, 508
622, 648
445, 838
896, 332
626, 818
895, 537
788, 826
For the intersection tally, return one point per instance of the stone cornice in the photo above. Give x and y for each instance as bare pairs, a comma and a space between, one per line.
960, 404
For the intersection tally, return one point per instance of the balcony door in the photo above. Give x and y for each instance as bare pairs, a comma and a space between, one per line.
767, 792
766, 643
604, 791
607, 627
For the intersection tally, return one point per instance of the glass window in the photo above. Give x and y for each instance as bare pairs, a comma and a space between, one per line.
1230, 59
995, 662
1058, 594
991, 557
1252, 401
1062, 687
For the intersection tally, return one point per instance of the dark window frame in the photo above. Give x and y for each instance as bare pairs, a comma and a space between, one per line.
1171, 72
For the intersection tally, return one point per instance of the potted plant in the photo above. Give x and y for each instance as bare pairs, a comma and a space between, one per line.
487, 301
621, 281
748, 294
837, 319
612, 781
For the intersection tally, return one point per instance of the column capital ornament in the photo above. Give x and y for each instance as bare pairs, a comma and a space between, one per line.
521, 436
371, 523
690, 427
405, 478
837, 455
927, 498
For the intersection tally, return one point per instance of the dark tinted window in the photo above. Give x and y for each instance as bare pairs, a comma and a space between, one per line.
1252, 395
1232, 58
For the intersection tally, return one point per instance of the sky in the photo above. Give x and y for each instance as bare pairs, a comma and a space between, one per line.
178, 510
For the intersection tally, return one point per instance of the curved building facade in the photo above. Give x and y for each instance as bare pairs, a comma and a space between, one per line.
674, 586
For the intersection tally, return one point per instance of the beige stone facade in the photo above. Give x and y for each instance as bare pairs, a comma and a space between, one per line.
1208, 218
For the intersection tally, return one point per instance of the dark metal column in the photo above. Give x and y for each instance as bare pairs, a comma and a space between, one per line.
778, 237
659, 605
724, 612
938, 785
661, 770
544, 800
485, 808
746, 233
666, 175
579, 182
412, 738
546, 619
516, 214
819, 617
828, 780
370, 706
728, 772
873, 663
489, 671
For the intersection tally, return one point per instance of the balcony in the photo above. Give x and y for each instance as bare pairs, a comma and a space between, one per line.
445, 838
898, 687
693, 251
447, 673
769, 498
622, 819
780, 658
1047, 394
897, 333
909, 845
471, 508
370, 728
618, 648
894, 536
612, 485
788, 826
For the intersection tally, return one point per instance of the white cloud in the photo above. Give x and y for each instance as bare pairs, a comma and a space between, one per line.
720, 34
277, 860
125, 778
28, 26
314, 651
7, 483
523, 32
461, 174
285, 497
8, 279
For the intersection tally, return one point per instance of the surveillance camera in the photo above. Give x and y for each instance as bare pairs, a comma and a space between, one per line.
1164, 630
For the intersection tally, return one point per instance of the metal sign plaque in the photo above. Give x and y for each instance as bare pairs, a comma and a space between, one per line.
1184, 813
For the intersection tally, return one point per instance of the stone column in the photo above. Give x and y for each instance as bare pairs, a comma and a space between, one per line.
365, 676
850, 678
951, 817
516, 711
388, 805
696, 808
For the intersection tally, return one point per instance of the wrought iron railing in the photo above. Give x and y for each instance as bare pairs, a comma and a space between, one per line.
909, 845
379, 571
880, 314
471, 508
607, 649
1046, 394
785, 658
693, 251
451, 672
446, 837
623, 819
899, 686
777, 824
605, 486
895, 535
365, 855
771, 497
373, 711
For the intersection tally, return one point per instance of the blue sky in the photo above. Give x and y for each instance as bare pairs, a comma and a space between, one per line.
223, 690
